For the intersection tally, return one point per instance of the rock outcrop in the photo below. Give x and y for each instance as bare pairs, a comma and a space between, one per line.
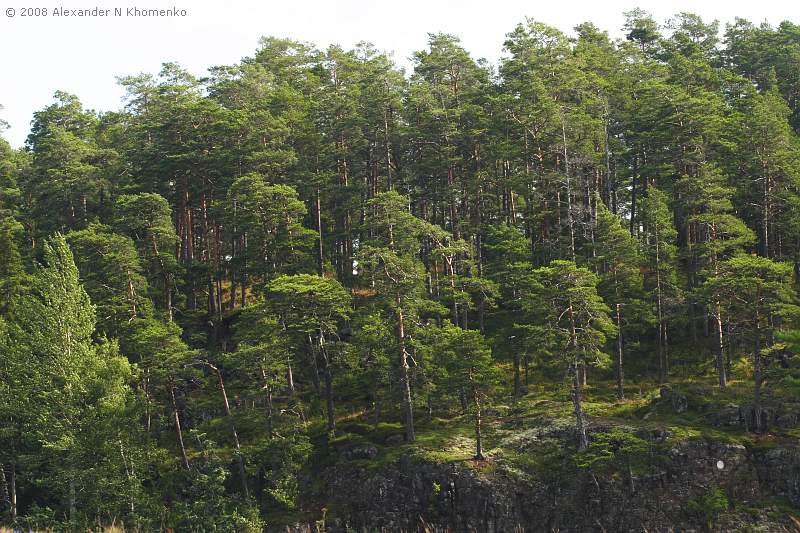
411, 494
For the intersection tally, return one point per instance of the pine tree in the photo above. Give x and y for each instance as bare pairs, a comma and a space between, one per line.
661, 276
569, 313
465, 364
616, 259
313, 308
758, 292
389, 263
12, 270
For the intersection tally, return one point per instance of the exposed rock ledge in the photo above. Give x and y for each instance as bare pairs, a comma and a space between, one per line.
412, 495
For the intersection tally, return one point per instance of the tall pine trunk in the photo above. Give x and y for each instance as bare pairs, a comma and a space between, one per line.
405, 375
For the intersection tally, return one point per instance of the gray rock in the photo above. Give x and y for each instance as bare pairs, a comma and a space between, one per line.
361, 451
395, 439
788, 420
679, 402
727, 417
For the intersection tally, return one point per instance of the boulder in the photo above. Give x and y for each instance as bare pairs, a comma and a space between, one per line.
678, 402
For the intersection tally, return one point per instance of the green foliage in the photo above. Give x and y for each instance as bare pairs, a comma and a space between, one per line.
574, 322
203, 505
280, 461
12, 271
76, 391
614, 450
111, 273
710, 506
311, 250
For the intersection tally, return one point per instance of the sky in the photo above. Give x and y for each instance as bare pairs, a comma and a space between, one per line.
84, 55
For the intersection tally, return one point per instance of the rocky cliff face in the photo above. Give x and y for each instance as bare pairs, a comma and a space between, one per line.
417, 495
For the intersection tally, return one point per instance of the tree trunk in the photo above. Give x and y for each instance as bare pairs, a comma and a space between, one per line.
13, 491
328, 392
178, 425
580, 427
239, 456
268, 389
570, 221
516, 377
757, 374
289, 378
312, 359
723, 378
4, 485
478, 441
526, 365
318, 216
405, 376
73, 509
620, 377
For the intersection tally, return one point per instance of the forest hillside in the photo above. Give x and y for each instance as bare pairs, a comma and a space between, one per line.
314, 292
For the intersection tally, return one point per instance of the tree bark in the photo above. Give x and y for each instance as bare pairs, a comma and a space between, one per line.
478, 440
328, 391
757, 373
229, 415
268, 389
620, 377
570, 221
723, 378
405, 375
318, 217
178, 425
580, 426
13, 491
73, 509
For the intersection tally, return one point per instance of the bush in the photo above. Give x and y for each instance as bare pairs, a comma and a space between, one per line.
710, 506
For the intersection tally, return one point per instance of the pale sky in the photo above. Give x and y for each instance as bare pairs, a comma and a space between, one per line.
84, 55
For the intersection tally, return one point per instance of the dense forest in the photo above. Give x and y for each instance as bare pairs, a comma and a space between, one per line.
208, 295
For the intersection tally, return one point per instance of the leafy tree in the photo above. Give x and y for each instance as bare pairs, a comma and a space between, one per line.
111, 272
391, 265
661, 277
76, 390
616, 259
147, 219
714, 233
67, 178
12, 269
573, 321
268, 219
313, 308
465, 364
758, 292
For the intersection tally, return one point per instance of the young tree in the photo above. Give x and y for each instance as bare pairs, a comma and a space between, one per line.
714, 233
616, 259
661, 277
313, 308
12, 269
267, 218
464, 364
758, 293
573, 321
389, 264
770, 169
147, 219
111, 273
